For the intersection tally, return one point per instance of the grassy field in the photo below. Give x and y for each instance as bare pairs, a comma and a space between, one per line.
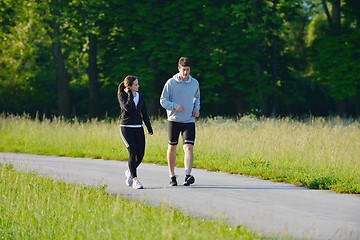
34, 207
317, 153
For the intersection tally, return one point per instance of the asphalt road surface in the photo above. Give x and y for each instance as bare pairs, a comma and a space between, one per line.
268, 208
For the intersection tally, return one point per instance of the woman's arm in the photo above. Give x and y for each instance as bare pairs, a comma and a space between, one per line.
126, 101
145, 116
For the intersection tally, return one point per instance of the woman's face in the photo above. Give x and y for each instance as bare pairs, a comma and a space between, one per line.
184, 72
135, 86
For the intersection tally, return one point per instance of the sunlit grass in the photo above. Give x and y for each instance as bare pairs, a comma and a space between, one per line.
34, 207
317, 153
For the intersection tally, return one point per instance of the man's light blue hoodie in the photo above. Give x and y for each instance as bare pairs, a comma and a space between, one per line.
180, 92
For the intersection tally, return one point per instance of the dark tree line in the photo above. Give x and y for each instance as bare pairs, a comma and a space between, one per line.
267, 57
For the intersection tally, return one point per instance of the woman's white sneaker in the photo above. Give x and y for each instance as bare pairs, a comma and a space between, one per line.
137, 184
129, 178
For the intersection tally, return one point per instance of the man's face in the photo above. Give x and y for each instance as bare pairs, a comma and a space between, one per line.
184, 72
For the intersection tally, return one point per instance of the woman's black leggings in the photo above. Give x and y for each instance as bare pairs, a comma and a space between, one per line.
134, 139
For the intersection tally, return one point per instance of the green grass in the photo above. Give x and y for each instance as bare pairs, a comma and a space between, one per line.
34, 207
317, 153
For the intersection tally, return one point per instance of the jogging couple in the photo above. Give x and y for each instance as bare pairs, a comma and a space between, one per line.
181, 99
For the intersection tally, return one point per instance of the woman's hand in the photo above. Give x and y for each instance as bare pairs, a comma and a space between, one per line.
150, 131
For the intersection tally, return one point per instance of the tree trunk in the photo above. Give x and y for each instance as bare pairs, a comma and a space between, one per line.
334, 20
60, 69
240, 105
94, 92
357, 104
273, 63
261, 93
274, 73
336, 10
341, 108
327, 12
259, 69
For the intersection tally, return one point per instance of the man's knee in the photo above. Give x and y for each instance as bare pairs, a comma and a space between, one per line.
188, 147
172, 148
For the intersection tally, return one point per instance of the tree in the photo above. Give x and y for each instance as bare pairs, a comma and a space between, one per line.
25, 79
85, 18
266, 26
335, 55
247, 55
62, 75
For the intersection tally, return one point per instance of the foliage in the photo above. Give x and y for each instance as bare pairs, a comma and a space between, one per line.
337, 62
22, 86
274, 56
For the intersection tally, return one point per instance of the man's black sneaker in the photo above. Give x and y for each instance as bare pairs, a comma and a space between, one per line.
189, 179
173, 181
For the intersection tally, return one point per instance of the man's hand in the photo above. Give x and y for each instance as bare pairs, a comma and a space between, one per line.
179, 108
196, 113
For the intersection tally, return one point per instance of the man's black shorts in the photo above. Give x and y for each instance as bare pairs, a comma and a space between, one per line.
187, 131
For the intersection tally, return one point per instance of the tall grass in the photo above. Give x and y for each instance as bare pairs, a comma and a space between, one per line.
34, 207
317, 153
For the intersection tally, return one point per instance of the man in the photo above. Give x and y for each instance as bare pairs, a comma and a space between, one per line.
181, 99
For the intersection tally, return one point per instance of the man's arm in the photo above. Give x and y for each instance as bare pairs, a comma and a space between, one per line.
165, 98
197, 98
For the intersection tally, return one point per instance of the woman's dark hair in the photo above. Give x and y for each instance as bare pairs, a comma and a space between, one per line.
128, 82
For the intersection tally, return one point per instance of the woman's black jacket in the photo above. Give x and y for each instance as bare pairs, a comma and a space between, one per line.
131, 114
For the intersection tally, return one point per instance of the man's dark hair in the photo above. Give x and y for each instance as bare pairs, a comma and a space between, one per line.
184, 62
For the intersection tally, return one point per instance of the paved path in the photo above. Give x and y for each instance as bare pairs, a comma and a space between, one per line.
271, 209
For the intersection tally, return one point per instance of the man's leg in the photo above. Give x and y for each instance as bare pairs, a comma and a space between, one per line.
188, 157
171, 156
189, 140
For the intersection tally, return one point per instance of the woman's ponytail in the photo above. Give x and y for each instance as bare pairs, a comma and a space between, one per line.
121, 87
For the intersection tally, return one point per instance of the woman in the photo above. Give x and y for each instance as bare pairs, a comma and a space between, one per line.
133, 113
